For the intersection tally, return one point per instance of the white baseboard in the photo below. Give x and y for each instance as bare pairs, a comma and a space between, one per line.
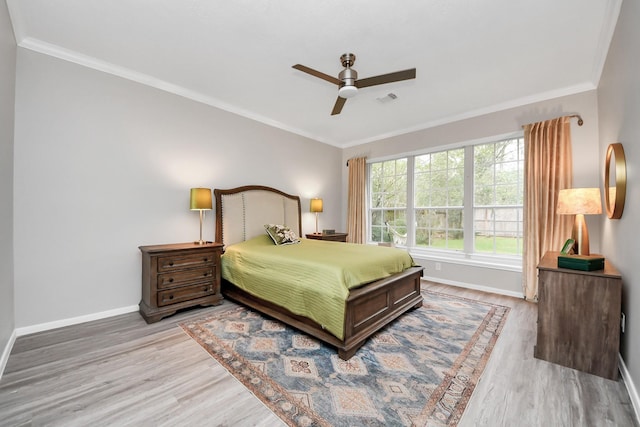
6, 352
18, 332
475, 287
631, 388
26, 330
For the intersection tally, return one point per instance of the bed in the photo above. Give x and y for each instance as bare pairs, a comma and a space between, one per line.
241, 215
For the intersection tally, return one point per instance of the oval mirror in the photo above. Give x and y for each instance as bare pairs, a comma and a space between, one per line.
615, 180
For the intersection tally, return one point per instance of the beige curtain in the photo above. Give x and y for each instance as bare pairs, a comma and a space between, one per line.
548, 169
356, 223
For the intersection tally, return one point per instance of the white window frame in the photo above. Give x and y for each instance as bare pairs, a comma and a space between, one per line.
466, 256
498, 206
446, 207
370, 208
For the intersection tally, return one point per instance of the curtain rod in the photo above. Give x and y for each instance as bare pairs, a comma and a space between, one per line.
580, 121
350, 159
572, 116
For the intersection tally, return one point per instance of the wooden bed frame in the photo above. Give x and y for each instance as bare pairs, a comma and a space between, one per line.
241, 214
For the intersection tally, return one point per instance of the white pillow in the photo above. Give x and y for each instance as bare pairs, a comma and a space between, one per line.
281, 234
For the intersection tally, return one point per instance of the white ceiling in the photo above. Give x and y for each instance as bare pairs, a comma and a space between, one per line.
472, 57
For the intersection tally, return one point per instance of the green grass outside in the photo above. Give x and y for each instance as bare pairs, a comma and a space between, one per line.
503, 245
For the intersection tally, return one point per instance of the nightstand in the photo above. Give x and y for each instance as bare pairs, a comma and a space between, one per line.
335, 237
579, 317
178, 276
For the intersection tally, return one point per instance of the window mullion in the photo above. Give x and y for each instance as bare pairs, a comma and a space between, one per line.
410, 212
468, 200
368, 205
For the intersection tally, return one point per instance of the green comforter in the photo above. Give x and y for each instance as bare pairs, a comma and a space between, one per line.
311, 278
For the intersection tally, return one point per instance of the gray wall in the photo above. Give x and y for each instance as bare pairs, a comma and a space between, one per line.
7, 98
586, 158
103, 165
619, 111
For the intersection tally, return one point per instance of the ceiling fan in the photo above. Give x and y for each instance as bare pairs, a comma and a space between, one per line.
349, 83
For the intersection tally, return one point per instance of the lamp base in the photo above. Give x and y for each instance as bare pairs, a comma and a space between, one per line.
581, 235
201, 242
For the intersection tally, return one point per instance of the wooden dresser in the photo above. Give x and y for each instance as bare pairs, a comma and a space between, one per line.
579, 317
177, 276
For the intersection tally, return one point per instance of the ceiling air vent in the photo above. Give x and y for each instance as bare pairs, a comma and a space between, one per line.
387, 98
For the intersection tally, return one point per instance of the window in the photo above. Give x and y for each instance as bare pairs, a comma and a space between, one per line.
438, 199
467, 199
388, 200
498, 197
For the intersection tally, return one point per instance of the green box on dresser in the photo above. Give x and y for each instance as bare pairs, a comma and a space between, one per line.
178, 276
581, 262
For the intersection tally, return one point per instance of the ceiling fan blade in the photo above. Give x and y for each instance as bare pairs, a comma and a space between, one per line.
315, 73
387, 78
337, 108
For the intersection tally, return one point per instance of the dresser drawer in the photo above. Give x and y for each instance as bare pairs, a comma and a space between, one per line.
185, 293
177, 262
185, 277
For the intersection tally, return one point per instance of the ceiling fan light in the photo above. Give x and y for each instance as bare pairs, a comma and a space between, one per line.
347, 91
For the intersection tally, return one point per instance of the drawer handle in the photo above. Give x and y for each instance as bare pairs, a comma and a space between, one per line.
206, 259
171, 296
170, 264
171, 280
205, 289
206, 274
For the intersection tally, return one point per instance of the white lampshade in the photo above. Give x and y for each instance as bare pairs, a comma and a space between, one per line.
572, 201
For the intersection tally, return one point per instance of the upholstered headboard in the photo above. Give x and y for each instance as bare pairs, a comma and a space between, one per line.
242, 212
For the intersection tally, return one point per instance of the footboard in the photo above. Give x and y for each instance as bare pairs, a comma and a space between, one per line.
372, 307
368, 309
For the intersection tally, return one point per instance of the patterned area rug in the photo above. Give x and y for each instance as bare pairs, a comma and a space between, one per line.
418, 371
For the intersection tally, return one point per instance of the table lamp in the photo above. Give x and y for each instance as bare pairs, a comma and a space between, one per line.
316, 206
580, 202
201, 201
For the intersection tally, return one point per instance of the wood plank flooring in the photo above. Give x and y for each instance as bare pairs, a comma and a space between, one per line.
121, 371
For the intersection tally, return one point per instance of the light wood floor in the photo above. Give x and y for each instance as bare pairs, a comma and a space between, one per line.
121, 371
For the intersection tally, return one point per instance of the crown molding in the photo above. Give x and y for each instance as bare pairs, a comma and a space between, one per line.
532, 99
607, 31
68, 55
145, 79
16, 20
